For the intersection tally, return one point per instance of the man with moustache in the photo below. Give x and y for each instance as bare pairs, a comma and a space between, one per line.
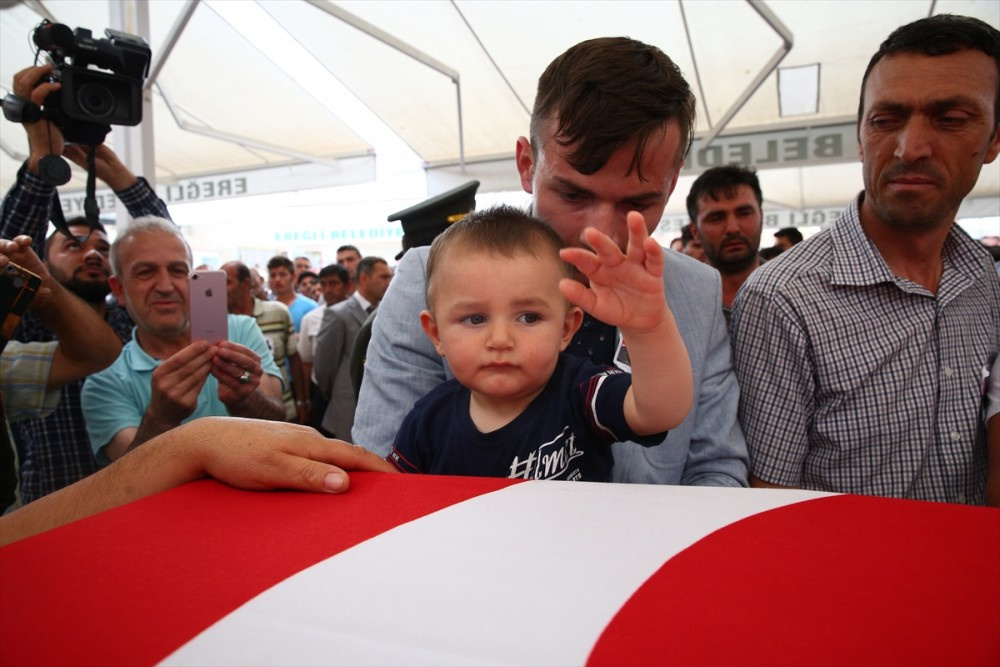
724, 205
861, 353
55, 451
163, 378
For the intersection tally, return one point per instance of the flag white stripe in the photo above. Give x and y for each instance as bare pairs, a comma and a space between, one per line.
530, 574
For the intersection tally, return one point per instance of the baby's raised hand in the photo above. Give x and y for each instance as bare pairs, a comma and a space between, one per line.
625, 289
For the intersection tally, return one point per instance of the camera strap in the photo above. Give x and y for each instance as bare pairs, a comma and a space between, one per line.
90, 210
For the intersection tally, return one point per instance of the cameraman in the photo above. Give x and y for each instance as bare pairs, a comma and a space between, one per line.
56, 450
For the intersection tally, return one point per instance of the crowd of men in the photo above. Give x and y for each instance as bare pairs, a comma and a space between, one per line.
854, 361
137, 288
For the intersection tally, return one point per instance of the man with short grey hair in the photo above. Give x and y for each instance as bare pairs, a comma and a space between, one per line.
162, 378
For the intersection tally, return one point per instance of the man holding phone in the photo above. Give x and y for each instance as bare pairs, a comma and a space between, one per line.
163, 378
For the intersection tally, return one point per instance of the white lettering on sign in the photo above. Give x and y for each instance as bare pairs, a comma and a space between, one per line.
810, 217
356, 234
774, 149
201, 189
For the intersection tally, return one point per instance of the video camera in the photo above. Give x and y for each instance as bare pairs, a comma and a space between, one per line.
90, 100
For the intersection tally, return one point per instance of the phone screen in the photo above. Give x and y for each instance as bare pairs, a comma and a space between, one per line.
17, 288
209, 309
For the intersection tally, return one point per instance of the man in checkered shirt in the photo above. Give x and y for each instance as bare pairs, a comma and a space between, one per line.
861, 352
55, 450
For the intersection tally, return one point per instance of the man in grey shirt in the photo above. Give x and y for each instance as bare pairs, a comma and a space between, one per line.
612, 121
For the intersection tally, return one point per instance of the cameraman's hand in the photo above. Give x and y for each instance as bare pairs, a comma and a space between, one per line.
44, 137
107, 165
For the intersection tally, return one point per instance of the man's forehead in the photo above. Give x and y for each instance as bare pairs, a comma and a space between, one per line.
724, 197
962, 72
157, 247
660, 161
80, 232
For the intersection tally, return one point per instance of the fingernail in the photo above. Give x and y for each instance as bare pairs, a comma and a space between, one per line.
334, 482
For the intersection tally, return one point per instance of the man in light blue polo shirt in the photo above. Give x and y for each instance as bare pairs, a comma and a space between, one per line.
162, 379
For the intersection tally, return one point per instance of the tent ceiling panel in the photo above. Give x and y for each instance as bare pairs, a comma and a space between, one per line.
217, 79
417, 102
220, 81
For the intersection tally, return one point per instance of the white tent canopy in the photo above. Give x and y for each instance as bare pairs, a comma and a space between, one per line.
239, 86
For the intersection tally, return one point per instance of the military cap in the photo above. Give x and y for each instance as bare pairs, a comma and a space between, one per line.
424, 221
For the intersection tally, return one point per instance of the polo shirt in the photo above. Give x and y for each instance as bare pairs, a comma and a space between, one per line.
117, 397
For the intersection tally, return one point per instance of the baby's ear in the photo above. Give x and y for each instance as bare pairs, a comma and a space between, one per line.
431, 329
574, 318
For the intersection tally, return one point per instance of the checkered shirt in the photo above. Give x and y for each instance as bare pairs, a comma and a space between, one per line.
55, 450
855, 380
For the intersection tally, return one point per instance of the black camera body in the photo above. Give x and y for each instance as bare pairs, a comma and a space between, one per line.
90, 100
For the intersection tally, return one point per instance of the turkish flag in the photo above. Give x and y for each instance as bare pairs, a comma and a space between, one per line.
410, 569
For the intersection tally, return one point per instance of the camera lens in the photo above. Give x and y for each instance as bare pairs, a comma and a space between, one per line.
95, 100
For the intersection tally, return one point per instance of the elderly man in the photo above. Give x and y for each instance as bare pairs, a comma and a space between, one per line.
612, 121
861, 354
163, 378
724, 207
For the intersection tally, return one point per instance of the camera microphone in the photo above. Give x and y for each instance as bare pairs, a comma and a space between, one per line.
52, 36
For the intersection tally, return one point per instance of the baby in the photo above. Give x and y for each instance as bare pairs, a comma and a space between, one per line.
502, 308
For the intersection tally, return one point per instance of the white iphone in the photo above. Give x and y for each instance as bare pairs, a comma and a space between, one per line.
209, 307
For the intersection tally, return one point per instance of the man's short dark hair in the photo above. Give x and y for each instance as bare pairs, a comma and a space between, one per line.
304, 275
940, 35
345, 248
281, 261
722, 182
78, 221
791, 233
603, 92
367, 265
338, 270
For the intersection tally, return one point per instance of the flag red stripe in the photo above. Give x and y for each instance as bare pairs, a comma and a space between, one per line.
211, 549
845, 580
